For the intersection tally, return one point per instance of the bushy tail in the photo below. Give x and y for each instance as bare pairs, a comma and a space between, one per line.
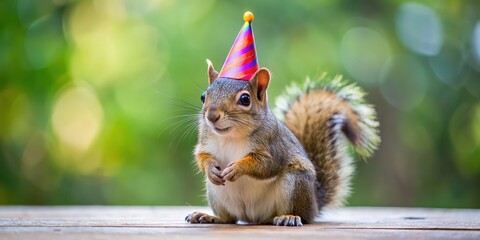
323, 114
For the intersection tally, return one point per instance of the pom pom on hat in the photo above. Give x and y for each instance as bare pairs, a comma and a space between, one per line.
248, 16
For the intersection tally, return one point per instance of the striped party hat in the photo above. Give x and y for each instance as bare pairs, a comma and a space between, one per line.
241, 62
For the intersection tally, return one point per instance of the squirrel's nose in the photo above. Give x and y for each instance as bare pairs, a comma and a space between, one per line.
213, 115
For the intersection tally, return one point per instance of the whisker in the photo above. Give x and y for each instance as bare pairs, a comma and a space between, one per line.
241, 122
198, 85
181, 122
173, 98
194, 108
182, 137
172, 127
182, 116
188, 132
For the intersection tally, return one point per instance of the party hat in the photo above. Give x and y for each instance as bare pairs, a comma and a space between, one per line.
241, 62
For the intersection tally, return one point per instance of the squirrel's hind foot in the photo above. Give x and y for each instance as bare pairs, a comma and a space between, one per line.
288, 220
198, 217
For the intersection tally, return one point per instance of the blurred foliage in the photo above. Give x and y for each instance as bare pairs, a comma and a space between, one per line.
98, 98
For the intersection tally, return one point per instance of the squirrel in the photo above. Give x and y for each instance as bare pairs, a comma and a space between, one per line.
282, 170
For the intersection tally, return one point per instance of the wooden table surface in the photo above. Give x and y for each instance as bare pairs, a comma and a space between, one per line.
112, 222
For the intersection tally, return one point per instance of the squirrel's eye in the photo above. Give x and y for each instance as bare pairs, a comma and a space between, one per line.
244, 100
203, 97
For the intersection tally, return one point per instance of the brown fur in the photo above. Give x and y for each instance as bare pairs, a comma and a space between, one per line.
246, 165
312, 120
203, 160
298, 166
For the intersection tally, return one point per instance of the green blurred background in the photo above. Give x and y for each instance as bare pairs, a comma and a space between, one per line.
97, 98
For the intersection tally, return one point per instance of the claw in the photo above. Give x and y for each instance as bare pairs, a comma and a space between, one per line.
287, 220
215, 175
291, 222
231, 173
197, 217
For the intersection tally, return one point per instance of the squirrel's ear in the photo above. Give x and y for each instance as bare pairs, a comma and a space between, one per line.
260, 82
212, 74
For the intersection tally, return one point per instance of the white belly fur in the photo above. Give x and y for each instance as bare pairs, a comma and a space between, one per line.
247, 199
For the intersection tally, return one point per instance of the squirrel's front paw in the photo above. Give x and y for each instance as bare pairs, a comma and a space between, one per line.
231, 172
214, 174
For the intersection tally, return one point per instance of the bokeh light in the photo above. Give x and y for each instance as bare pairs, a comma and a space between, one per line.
465, 132
77, 117
110, 49
476, 41
404, 82
419, 28
448, 64
364, 52
43, 42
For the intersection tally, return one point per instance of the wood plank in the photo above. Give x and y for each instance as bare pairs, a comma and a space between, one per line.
351, 217
240, 232
108, 222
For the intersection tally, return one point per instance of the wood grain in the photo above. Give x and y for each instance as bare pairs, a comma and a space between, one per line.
112, 222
